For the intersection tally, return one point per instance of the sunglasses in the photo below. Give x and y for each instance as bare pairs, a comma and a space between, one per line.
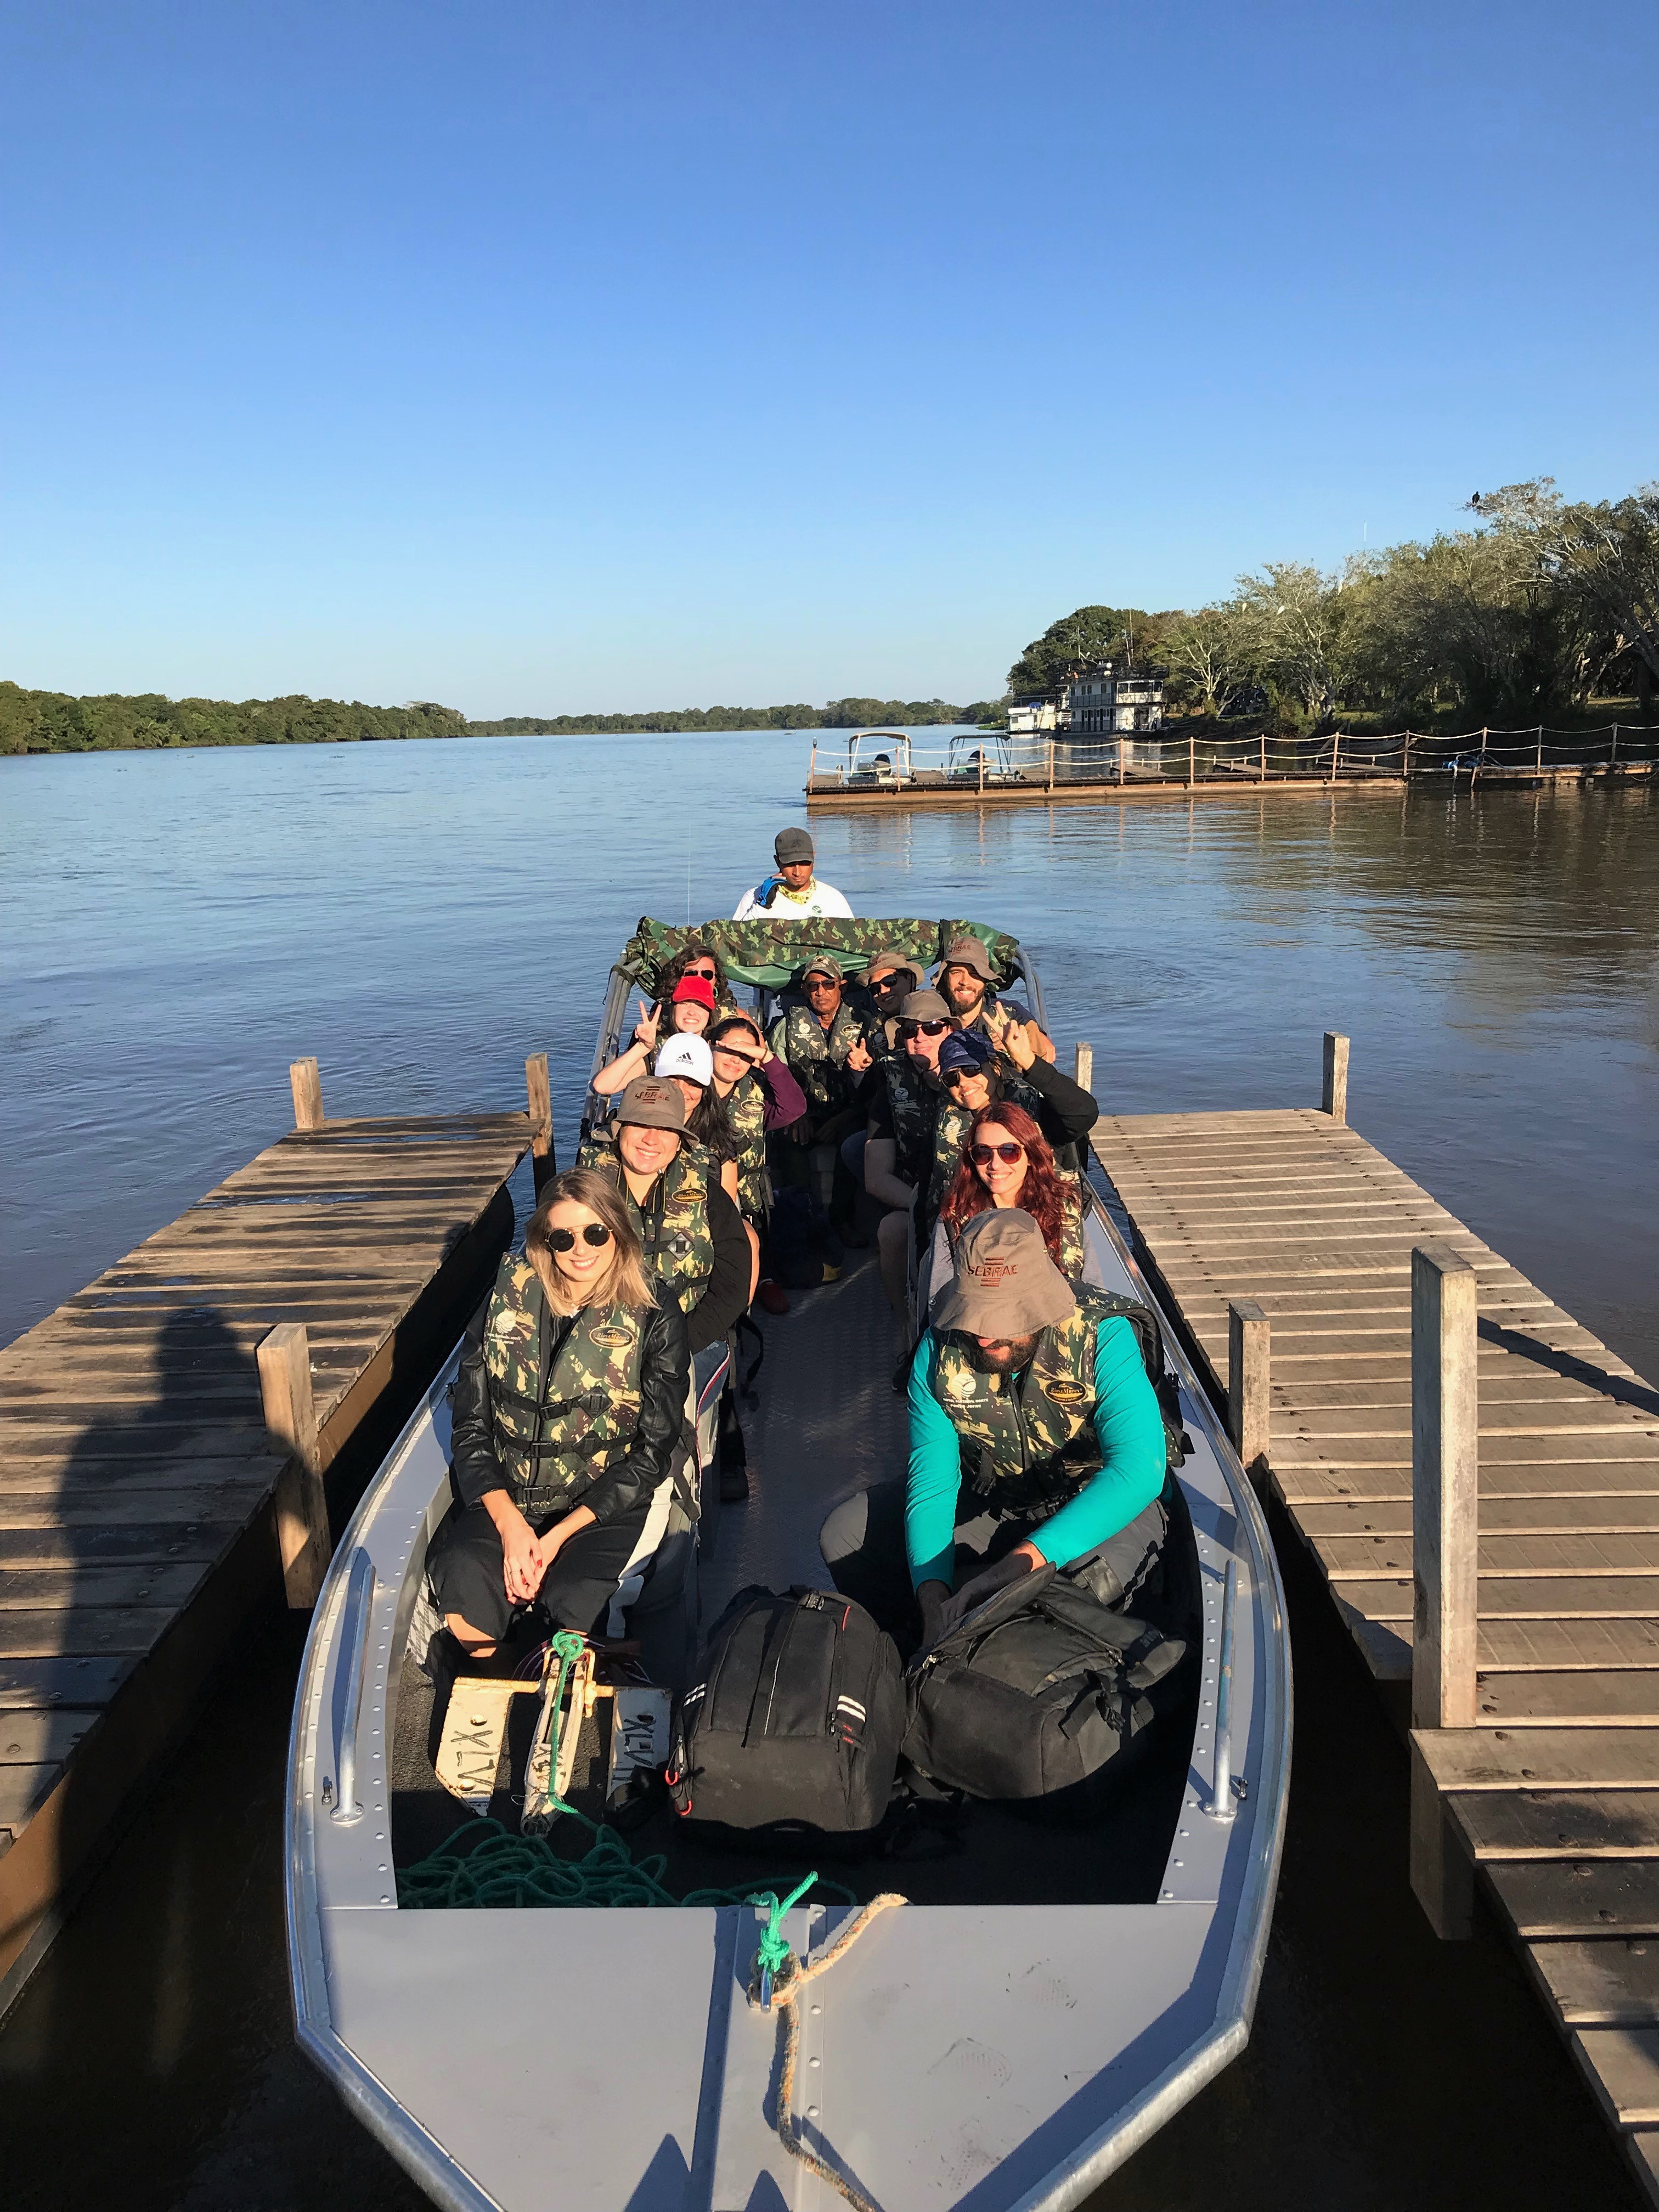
889, 981
562, 1240
982, 1155
822, 983
923, 1029
707, 974
954, 1075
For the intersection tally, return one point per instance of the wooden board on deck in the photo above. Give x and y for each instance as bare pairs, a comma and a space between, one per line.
1555, 1792
136, 1471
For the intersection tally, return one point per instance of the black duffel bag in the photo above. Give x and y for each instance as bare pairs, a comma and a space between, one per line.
794, 1718
1037, 1695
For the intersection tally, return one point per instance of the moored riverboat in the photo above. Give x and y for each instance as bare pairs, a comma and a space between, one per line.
1044, 1999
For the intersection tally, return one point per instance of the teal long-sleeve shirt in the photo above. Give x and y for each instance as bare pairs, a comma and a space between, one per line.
1127, 1422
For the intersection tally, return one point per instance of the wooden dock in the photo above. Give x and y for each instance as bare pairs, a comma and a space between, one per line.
179, 1436
1285, 1243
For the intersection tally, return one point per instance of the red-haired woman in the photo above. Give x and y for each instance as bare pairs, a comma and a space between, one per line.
1008, 1161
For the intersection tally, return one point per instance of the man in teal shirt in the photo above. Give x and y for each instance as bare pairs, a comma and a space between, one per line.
1035, 1434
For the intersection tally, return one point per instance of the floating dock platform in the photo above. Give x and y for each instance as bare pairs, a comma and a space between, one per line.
1287, 1244
180, 1436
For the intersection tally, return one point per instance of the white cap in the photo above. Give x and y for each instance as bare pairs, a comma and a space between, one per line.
689, 1056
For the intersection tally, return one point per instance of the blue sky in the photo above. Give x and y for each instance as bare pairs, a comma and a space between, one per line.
546, 358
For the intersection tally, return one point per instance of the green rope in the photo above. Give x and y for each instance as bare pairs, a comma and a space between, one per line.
773, 1946
484, 1865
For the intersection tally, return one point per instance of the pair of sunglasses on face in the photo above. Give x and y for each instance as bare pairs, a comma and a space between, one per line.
707, 974
909, 1029
822, 983
982, 1155
562, 1240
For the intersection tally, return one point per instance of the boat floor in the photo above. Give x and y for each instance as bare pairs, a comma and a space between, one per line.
828, 1424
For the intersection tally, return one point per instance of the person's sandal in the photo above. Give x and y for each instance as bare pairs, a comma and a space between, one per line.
772, 1297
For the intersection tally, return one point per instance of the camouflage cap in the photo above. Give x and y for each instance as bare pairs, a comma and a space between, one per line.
1005, 1284
824, 963
651, 1102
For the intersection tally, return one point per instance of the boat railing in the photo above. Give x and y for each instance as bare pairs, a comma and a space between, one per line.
1002, 762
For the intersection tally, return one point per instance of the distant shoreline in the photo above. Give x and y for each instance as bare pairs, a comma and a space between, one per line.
42, 722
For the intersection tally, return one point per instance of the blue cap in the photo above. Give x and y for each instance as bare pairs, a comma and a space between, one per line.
964, 1049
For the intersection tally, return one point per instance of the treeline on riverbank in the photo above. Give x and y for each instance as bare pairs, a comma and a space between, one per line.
53, 722
1532, 614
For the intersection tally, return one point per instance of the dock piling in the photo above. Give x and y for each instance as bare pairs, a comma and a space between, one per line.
1445, 1472
1249, 1351
306, 1084
543, 1164
1334, 1099
302, 1529
1083, 1065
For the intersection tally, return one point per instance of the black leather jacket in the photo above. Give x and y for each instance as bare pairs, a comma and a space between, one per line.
664, 1376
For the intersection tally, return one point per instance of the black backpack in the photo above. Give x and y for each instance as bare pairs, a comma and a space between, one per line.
1150, 1337
1036, 1695
793, 1717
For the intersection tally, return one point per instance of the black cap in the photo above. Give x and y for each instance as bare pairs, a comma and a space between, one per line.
790, 846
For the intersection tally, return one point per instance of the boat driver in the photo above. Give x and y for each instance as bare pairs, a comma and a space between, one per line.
1035, 1434
793, 892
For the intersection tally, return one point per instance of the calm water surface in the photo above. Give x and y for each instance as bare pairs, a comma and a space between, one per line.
176, 927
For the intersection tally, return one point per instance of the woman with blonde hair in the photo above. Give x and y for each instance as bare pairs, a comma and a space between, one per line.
568, 1412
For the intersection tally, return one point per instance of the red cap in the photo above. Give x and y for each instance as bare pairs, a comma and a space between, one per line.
697, 989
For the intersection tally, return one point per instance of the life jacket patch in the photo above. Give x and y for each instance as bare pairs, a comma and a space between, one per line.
1065, 1394
610, 1337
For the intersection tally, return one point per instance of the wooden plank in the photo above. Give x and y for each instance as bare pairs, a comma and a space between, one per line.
1577, 1897
1632, 1513
1536, 1824
149, 1582
77, 1679
1463, 1759
1521, 1597
1622, 2064
80, 1632
30, 1736
86, 1510
55, 1545
1571, 1698
1613, 1983
1499, 1554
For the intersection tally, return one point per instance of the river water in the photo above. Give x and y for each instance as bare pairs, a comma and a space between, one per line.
175, 927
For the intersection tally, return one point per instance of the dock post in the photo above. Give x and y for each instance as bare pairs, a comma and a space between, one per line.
1335, 1101
1083, 1065
1406, 758
303, 1539
1192, 758
980, 757
1261, 772
1249, 1351
307, 1085
812, 765
1051, 763
1336, 753
1539, 769
1119, 759
1613, 757
1445, 1474
544, 1162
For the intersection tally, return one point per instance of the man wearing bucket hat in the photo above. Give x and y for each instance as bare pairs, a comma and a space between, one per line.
1035, 1434
896, 1157
967, 980
696, 1246
792, 892
823, 1040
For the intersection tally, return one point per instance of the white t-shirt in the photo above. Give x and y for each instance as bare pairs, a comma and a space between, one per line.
819, 900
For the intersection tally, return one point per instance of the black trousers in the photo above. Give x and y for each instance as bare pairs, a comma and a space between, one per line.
863, 1546
465, 1564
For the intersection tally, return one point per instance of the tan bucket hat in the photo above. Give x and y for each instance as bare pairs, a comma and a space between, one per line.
1005, 1284
969, 952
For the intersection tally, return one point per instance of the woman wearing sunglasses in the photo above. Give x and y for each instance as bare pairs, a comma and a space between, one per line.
1006, 1161
569, 1409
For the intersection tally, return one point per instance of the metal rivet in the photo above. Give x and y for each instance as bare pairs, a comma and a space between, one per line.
815, 2062
818, 2008
812, 2112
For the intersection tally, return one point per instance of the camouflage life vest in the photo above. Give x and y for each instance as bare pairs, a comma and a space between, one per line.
672, 1224
555, 1434
915, 1104
745, 1109
1072, 1246
817, 1058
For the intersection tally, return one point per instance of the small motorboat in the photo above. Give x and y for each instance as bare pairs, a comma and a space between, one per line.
1045, 2000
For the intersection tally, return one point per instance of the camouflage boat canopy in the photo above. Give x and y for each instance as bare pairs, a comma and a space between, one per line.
772, 954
